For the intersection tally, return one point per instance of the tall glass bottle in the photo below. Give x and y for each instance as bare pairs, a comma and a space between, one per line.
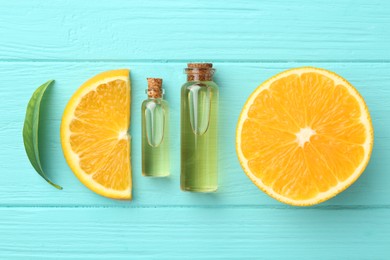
155, 131
199, 129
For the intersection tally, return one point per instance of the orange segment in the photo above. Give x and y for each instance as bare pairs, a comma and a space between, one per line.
94, 134
304, 136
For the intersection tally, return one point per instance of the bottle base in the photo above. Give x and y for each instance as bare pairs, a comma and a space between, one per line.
200, 190
155, 176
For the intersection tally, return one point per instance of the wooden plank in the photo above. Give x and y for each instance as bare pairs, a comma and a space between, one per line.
199, 233
22, 186
195, 30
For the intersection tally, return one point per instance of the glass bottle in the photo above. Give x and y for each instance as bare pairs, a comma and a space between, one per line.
155, 131
199, 126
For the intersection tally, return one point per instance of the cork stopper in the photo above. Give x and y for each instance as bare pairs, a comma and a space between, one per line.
199, 71
200, 65
154, 88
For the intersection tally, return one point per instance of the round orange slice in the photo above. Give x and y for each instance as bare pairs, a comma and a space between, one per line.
304, 136
94, 134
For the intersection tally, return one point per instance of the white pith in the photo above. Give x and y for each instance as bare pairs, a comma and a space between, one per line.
123, 134
304, 135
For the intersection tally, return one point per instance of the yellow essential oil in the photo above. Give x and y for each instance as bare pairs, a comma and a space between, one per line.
155, 131
199, 130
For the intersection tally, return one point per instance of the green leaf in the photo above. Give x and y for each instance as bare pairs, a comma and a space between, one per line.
30, 130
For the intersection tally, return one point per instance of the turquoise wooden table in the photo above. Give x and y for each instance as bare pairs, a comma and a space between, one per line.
248, 41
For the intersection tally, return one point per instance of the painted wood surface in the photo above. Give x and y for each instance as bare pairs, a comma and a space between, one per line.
197, 30
193, 233
248, 41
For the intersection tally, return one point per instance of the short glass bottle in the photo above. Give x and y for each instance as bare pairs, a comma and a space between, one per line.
199, 129
155, 131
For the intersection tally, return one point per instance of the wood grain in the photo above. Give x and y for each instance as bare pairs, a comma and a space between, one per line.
195, 30
201, 233
249, 41
21, 186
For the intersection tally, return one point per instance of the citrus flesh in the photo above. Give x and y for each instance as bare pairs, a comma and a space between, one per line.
94, 134
304, 136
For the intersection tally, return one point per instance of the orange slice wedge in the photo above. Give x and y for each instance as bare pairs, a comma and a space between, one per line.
94, 134
304, 136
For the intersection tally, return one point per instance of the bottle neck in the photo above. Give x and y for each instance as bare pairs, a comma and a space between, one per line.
154, 94
153, 98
